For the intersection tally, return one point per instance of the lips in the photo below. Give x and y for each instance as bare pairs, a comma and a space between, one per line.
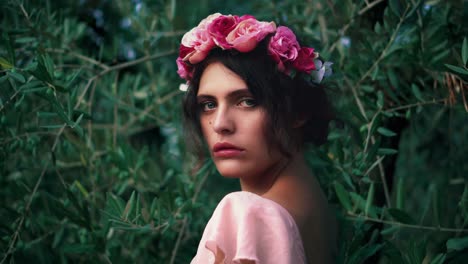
226, 150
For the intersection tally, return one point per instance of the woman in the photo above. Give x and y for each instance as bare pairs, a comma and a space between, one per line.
253, 101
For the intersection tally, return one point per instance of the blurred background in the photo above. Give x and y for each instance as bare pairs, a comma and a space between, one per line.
93, 165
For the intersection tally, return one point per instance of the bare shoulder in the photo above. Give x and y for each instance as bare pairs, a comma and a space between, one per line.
315, 219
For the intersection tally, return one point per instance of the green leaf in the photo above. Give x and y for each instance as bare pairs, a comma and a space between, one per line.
361, 204
31, 84
400, 193
9, 46
401, 216
79, 249
375, 73
380, 99
25, 40
465, 51
457, 69
334, 135
48, 63
438, 259
389, 230
51, 126
457, 244
364, 252
19, 77
387, 151
343, 196
440, 56
395, 6
3, 78
368, 88
58, 237
81, 188
19, 101
5, 64
417, 92
386, 132
115, 204
129, 207
370, 198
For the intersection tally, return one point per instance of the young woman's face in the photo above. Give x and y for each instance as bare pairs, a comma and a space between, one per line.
233, 125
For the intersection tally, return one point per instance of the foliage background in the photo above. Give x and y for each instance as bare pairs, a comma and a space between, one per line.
94, 169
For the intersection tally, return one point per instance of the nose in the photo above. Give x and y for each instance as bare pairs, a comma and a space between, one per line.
223, 122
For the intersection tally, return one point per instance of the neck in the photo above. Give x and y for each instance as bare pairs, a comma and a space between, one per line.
287, 168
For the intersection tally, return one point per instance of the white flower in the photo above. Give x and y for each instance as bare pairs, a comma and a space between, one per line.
183, 87
322, 70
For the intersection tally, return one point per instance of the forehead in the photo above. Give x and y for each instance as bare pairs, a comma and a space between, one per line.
217, 79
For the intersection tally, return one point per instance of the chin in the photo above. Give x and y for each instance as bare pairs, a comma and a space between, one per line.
230, 169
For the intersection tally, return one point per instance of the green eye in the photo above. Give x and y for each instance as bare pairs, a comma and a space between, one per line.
248, 102
207, 106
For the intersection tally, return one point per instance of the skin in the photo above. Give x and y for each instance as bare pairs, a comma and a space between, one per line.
230, 114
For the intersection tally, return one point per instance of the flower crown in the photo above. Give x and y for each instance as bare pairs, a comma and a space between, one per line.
243, 34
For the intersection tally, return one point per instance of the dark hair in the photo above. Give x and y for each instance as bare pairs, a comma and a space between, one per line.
289, 102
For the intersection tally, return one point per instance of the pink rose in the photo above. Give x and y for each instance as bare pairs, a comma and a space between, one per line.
201, 42
220, 27
244, 17
207, 21
246, 35
305, 60
283, 47
183, 69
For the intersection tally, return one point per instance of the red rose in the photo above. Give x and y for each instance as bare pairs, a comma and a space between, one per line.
305, 60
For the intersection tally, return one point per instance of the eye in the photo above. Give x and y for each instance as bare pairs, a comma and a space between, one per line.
207, 106
248, 102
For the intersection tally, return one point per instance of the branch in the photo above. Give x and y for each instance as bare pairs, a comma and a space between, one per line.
356, 217
79, 56
135, 62
369, 6
402, 107
385, 50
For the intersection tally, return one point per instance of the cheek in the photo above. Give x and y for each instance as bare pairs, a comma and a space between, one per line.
205, 126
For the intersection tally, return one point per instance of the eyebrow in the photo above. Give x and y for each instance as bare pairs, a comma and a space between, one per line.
230, 95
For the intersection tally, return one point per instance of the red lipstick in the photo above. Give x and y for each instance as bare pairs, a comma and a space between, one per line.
226, 150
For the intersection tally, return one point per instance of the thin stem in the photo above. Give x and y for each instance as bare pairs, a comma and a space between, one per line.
23, 216
369, 6
435, 101
385, 50
135, 62
356, 217
116, 112
81, 57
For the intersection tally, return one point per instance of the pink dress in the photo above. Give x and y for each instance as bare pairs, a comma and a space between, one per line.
246, 226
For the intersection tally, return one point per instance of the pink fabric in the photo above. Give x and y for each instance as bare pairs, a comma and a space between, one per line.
246, 226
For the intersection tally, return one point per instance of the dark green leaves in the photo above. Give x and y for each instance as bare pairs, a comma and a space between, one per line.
386, 132
464, 52
5, 64
401, 216
457, 244
457, 69
343, 196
